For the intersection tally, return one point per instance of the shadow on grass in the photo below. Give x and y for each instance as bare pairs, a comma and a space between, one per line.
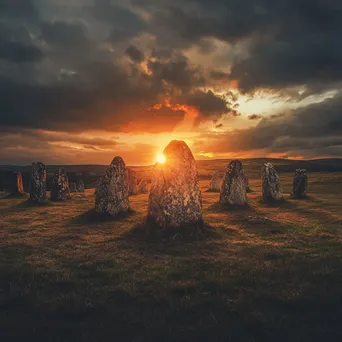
222, 208
91, 216
25, 204
283, 203
148, 231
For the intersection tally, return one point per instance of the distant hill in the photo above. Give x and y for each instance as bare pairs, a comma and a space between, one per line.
252, 166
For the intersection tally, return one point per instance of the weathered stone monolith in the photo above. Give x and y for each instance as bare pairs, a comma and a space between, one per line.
16, 187
60, 186
80, 185
11, 183
233, 189
38, 183
300, 184
214, 185
133, 182
271, 189
175, 198
112, 192
143, 187
72, 187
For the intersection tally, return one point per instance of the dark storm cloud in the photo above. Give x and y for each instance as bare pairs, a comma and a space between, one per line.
207, 103
124, 22
23, 10
178, 72
64, 65
64, 35
291, 42
135, 54
255, 117
16, 46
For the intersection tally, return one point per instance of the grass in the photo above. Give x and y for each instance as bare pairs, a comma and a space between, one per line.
67, 275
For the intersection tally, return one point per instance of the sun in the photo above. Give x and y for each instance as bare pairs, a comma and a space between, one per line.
160, 158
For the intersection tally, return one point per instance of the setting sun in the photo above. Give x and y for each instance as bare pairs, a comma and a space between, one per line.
160, 158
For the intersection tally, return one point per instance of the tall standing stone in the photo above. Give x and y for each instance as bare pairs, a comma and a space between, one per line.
19, 187
214, 185
142, 187
16, 187
60, 186
300, 183
38, 183
233, 189
133, 182
175, 197
271, 189
111, 195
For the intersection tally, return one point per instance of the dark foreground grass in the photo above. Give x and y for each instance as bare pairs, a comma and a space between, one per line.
68, 275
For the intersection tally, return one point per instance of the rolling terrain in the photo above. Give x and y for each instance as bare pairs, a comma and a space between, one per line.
68, 275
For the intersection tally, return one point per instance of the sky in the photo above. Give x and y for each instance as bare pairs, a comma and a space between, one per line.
82, 81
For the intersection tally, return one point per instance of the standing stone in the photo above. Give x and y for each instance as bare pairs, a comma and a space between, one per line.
142, 187
133, 182
111, 195
38, 183
80, 185
15, 184
233, 189
300, 183
214, 185
271, 189
72, 186
60, 186
19, 187
175, 197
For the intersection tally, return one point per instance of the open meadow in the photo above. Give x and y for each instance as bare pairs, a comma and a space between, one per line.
68, 275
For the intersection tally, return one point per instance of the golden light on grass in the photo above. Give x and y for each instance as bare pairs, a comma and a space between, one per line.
160, 158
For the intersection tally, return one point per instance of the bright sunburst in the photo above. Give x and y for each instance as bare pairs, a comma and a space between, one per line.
160, 158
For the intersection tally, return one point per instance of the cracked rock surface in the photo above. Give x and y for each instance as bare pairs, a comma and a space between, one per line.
175, 197
233, 189
111, 195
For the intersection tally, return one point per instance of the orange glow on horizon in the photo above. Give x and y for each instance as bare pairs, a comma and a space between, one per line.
160, 158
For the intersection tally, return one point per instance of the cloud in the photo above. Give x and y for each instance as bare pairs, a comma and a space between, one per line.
64, 34
255, 117
125, 23
146, 65
305, 131
16, 46
135, 54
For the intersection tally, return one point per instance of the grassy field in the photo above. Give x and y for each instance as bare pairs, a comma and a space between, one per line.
66, 275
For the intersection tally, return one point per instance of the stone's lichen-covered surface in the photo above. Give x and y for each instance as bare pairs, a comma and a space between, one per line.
133, 182
300, 183
175, 198
60, 186
38, 183
215, 182
80, 185
271, 189
233, 189
72, 187
143, 187
111, 195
